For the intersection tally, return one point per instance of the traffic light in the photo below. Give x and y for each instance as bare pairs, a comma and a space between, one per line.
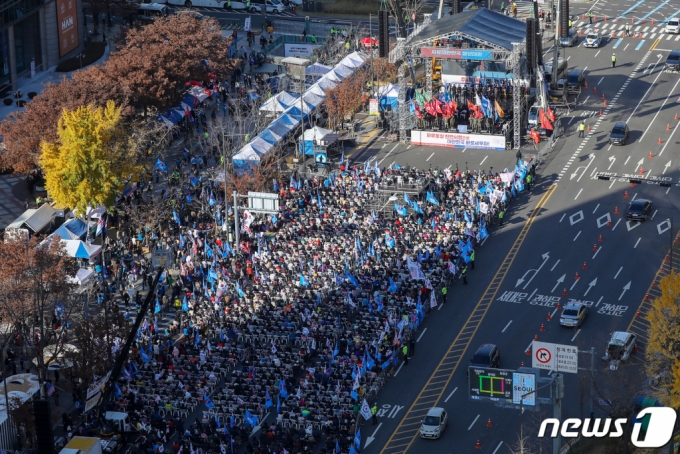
456, 7
531, 44
383, 33
564, 18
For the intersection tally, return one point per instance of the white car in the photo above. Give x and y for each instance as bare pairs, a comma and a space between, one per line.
621, 346
673, 26
235, 5
434, 423
593, 39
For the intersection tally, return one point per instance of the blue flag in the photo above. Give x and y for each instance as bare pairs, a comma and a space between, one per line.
175, 217
337, 447
278, 404
160, 165
116, 390
357, 439
208, 403
282, 389
145, 357
268, 400
304, 281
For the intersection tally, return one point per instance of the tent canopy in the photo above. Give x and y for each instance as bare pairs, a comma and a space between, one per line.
483, 24
273, 105
73, 229
342, 70
316, 133
388, 91
35, 219
312, 99
81, 250
317, 69
353, 60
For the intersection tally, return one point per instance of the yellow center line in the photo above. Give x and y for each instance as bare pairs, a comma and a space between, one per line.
473, 322
656, 43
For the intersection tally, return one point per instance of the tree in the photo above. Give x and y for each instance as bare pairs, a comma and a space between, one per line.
384, 70
91, 160
36, 296
345, 99
662, 354
183, 48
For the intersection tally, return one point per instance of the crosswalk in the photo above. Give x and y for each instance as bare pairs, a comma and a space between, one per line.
618, 30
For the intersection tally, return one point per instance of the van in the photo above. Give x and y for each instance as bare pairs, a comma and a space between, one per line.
561, 69
673, 26
273, 6
575, 80
148, 12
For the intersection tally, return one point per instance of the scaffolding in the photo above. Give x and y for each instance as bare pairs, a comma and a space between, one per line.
387, 195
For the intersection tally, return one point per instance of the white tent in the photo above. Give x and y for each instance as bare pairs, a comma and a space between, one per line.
317, 90
273, 105
316, 133
81, 250
312, 99
82, 277
389, 91
317, 69
353, 60
342, 70
332, 77
287, 99
35, 219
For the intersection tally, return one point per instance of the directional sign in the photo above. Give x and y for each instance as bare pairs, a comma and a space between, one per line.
524, 389
161, 257
495, 385
554, 357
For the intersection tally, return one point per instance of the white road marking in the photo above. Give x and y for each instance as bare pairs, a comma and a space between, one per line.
635, 195
617, 223
388, 153
574, 284
447, 399
483, 160
430, 157
506, 326
597, 252
636, 243
628, 159
572, 339
579, 193
473, 422
563, 217
654, 215
558, 261
399, 368
579, 232
612, 184
618, 272
421, 335
600, 80
497, 448
598, 206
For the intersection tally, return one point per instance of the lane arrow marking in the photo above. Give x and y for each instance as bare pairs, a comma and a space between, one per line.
668, 164
559, 281
625, 288
591, 285
639, 164
370, 439
545, 256
612, 159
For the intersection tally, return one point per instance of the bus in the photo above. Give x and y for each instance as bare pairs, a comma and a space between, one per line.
148, 12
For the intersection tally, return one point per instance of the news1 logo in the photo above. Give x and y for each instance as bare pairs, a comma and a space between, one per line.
659, 430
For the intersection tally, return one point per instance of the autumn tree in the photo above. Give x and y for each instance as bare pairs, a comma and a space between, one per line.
383, 70
33, 278
91, 160
345, 99
662, 353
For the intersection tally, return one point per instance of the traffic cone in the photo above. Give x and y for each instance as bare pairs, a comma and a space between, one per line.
478, 445
585, 83
528, 352
616, 20
641, 171
600, 240
647, 297
595, 18
654, 284
605, 103
542, 328
613, 35
564, 293
606, 19
632, 21
488, 423
667, 259
583, 17
609, 223
625, 195
600, 112
659, 141
602, 96
650, 154
580, 32
549, 316
536, 337
635, 348
668, 127
676, 117
643, 21
616, 211
652, 21
558, 303
594, 250
522, 364
588, 128
585, 267
632, 185
638, 315
595, 91
576, 277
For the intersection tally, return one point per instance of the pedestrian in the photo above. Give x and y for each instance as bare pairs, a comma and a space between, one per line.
590, 16
374, 413
529, 180
582, 129
518, 156
444, 291
614, 60
404, 351
501, 213
412, 346
627, 29
472, 260
464, 274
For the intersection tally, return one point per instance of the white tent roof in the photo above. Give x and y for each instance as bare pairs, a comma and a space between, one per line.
317, 90
316, 133
317, 69
332, 77
342, 70
287, 99
82, 276
353, 60
35, 219
273, 105
389, 91
81, 250
20, 389
312, 99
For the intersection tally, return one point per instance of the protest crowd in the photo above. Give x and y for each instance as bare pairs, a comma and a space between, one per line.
280, 344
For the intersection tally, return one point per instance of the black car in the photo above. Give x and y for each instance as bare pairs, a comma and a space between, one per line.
673, 61
487, 355
640, 210
619, 134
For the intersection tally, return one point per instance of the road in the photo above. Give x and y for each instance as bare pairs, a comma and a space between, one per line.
572, 221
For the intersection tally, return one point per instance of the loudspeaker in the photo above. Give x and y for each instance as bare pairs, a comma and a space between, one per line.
536, 11
531, 44
564, 18
539, 49
43, 426
456, 7
383, 33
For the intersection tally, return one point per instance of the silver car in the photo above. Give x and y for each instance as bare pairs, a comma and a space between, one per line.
573, 314
434, 423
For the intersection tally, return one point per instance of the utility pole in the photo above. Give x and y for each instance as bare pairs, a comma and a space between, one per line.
557, 396
556, 53
591, 369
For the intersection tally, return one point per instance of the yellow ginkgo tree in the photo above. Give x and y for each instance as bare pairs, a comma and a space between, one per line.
662, 354
91, 160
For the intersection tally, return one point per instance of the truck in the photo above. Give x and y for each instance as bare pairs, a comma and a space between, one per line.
83, 445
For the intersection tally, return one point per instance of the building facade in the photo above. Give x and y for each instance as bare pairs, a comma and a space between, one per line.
36, 35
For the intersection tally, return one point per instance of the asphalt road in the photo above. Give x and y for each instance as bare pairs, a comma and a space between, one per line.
525, 268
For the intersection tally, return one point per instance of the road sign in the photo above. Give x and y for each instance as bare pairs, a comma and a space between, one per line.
554, 357
263, 201
489, 384
523, 385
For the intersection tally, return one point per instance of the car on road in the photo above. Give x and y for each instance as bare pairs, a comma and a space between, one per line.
573, 314
487, 355
569, 41
673, 26
433, 424
673, 61
593, 39
640, 210
235, 5
620, 347
619, 134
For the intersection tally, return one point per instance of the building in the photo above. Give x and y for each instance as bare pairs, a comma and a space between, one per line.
36, 35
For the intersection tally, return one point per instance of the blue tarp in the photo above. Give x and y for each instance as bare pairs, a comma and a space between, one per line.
73, 229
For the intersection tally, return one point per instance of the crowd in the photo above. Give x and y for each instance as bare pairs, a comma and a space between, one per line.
294, 330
